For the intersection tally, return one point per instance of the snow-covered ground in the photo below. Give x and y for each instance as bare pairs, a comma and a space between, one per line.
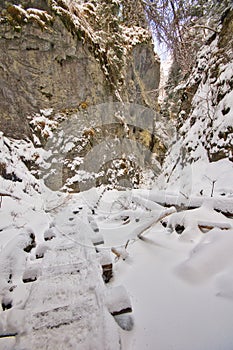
51, 286
180, 285
52, 293
177, 299
173, 269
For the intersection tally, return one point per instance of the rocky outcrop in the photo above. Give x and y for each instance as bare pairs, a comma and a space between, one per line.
68, 57
54, 58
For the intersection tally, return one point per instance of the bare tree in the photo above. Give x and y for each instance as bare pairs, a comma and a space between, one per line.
184, 25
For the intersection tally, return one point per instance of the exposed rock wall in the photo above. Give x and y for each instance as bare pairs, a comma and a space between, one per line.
69, 56
54, 60
44, 69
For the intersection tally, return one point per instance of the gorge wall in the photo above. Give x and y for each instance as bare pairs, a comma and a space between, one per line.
202, 153
70, 56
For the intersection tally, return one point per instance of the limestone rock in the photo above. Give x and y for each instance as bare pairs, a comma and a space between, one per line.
67, 58
60, 64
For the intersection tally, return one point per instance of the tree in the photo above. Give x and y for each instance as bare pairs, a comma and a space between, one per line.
183, 25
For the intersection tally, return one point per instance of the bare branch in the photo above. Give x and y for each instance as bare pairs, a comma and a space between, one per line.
6, 194
205, 27
152, 4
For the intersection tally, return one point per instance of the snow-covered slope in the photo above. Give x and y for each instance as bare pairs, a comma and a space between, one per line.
51, 286
173, 270
201, 156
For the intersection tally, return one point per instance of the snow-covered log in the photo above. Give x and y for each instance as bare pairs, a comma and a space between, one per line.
118, 301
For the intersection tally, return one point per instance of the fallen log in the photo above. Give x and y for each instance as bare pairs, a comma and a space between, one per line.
118, 301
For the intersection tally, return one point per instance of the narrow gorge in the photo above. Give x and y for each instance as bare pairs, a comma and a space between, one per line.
116, 167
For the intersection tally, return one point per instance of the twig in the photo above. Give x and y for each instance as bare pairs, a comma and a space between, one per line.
212, 190
7, 195
165, 213
127, 243
205, 27
114, 251
7, 335
59, 205
213, 184
185, 196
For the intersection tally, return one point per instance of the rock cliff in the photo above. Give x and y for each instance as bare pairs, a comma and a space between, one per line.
56, 56
67, 57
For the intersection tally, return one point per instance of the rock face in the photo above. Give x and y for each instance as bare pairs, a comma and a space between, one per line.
69, 57
118, 141
41, 70
49, 61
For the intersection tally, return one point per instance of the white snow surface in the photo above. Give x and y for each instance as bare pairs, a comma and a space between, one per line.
117, 299
52, 293
179, 284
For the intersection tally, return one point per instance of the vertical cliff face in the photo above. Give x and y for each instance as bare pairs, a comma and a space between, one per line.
58, 56
67, 57
49, 68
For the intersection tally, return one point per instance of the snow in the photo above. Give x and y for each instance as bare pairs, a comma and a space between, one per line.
134, 35
178, 285
201, 151
117, 299
180, 288
33, 13
211, 256
165, 66
170, 313
177, 279
201, 175
170, 247
42, 124
104, 257
46, 112
67, 277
